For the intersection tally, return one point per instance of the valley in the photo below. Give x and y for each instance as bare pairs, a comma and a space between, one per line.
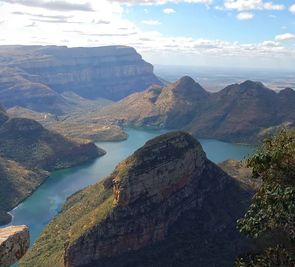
48, 199
91, 137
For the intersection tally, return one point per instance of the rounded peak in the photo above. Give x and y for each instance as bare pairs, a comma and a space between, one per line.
252, 84
185, 81
188, 87
176, 154
159, 150
287, 90
178, 136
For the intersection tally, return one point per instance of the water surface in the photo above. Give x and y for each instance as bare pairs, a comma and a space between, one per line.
37, 210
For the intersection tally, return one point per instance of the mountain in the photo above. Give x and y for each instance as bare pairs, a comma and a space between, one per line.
79, 124
238, 113
29, 143
27, 152
35, 76
165, 205
172, 106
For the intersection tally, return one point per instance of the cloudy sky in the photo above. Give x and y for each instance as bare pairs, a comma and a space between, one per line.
228, 33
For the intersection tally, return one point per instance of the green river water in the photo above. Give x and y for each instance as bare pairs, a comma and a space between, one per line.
37, 210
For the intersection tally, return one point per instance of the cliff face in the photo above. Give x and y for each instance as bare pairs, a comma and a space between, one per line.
166, 205
40, 73
238, 113
14, 242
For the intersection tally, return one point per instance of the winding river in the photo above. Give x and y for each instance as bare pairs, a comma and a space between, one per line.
37, 210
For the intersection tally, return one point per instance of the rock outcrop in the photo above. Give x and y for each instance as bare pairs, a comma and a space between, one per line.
165, 205
34, 76
14, 243
239, 113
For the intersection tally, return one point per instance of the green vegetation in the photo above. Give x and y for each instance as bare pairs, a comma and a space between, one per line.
16, 183
81, 212
27, 149
29, 143
271, 216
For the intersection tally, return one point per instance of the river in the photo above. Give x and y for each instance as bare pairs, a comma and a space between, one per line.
37, 210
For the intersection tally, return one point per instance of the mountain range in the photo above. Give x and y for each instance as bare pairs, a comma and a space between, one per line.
242, 112
35, 76
165, 205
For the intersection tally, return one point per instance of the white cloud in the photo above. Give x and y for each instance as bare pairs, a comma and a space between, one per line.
107, 25
245, 16
58, 5
162, 2
151, 22
285, 37
244, 5
271, 6
292, 8
169, 10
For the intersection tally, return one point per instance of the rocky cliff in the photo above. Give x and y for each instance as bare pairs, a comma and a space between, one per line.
33, 76
166, 205
238, 113
14, 243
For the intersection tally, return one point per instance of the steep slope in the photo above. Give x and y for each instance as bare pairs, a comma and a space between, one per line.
238, 113
26, 150
33, 76
166, 205
3, 116
286, 100
172, 106
239, 170
16, 183
17, 88
29, 143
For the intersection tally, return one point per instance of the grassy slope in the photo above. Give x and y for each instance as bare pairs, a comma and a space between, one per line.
82, 210
28, 143
16, 183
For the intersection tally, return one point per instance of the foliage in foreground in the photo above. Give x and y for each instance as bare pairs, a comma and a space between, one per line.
270, 219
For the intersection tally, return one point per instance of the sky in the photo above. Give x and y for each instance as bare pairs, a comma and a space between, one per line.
219, 33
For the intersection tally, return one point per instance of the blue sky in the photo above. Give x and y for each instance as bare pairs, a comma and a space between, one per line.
226, 33
201, 21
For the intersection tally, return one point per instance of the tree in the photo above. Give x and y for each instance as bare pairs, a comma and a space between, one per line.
270, 219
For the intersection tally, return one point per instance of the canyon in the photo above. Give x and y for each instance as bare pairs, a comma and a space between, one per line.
28, 152
165, 201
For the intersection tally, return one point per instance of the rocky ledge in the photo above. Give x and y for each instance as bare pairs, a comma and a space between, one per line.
14, 243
